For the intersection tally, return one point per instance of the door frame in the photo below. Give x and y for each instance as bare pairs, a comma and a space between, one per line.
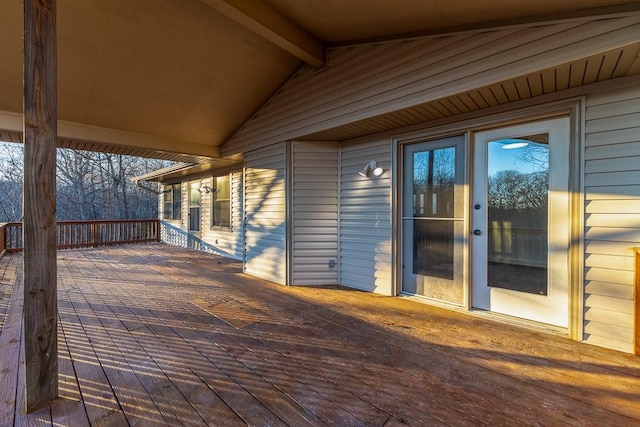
461, 161
503, 116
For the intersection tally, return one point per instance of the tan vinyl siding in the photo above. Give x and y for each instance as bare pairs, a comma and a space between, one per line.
612, 216
314, 213
365, 81
365, 218
161, 204
224, 241
265, 229
184, 206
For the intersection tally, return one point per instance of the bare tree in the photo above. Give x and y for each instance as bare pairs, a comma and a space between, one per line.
11, 187
90, 185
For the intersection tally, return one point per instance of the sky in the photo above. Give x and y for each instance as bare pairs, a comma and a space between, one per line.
519, 159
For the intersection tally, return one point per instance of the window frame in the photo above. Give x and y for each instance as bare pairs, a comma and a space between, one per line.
214, 199
175, 208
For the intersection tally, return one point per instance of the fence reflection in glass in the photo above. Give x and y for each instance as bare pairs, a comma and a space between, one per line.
518, 186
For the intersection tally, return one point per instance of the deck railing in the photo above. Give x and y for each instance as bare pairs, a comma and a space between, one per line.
86, 234
518, 245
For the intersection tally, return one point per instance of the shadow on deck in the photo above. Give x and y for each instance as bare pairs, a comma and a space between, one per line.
158, 335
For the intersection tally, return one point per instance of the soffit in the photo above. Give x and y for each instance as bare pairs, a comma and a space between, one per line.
609, 65
339, 21
78, 144
180, 171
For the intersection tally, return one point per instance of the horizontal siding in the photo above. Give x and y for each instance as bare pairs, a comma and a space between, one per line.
227, 243
314, 208
367, 81
612, 217
365, 218
265, 230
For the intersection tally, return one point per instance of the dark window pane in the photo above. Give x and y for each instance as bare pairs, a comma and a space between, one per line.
194, 219
177, 198
433, 243
221, 212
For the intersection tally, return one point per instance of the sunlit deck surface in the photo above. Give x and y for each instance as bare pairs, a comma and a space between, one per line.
157, 335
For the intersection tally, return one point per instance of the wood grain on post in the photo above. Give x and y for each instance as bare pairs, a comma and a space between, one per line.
637, 304
39, 204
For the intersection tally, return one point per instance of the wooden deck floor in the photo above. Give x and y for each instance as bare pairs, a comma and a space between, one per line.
156, 335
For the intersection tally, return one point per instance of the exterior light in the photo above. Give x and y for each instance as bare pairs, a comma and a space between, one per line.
206, 189
371, 168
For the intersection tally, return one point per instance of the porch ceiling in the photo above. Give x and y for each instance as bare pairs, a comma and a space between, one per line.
175, 79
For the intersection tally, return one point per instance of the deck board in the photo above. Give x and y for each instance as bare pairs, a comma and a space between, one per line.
10, 343
158, 335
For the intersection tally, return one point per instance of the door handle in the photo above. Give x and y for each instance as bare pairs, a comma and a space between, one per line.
477, 232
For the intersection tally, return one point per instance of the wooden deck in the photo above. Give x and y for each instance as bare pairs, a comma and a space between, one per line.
157, 335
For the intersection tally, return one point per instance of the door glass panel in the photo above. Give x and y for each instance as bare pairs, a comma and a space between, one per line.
194, 206
434, 174
517, 222
433, 226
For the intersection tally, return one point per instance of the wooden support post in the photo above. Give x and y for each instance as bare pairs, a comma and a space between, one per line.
39, 204
637, 302
3, 246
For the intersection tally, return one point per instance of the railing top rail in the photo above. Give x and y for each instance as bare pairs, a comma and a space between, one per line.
92, 221
108, 221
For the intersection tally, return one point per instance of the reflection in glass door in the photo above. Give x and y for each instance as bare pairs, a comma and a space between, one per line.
521, 221
433, 219
517, 213
194, 206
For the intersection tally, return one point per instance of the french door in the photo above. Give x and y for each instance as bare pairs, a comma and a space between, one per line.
520, 221
433, 234
515, 228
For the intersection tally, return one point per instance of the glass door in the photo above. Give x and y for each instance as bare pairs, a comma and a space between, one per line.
433, 219
194, 206
520, 220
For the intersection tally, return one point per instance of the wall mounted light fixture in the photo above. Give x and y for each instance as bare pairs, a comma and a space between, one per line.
206, 189
371, 168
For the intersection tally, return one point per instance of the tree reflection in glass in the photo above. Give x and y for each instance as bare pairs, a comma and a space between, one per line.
433, 198
517, 207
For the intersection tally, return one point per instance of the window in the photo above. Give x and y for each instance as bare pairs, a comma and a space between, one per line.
172, 201
221, 201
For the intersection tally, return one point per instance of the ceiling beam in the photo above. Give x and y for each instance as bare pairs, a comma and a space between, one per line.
118, 138
12, 122
266, 22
